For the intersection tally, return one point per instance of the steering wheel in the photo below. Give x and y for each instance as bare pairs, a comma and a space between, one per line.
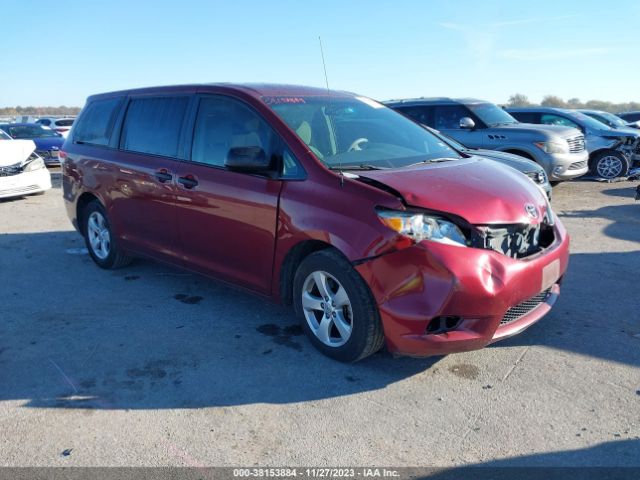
357, 144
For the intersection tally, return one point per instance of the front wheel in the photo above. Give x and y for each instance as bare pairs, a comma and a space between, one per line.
610, 164
337, 310
100, 240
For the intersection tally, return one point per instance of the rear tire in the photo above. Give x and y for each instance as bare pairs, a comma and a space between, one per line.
336, 308
610, 164
99, 238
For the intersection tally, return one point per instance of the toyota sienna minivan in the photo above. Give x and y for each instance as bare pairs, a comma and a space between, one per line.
373, 228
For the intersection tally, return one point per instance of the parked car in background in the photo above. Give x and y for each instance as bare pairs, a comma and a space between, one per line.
370, 225
612, 152
48, 142
22, 171
530, 168
479, 124
609, 119
631, 117
60, 125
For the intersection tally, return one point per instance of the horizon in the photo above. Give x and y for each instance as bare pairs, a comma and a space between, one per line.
375, 49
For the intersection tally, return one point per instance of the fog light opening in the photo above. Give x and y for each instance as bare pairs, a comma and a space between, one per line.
443, 324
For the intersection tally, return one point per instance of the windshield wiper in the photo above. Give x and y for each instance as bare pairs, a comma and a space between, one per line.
362, 166
435, 160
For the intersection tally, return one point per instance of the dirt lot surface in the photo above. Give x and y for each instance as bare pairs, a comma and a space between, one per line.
153, 366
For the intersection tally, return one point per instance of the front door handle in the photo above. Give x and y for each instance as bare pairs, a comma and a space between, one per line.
163, 176
188, 181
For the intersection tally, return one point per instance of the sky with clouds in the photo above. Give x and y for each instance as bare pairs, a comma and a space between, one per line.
59, 52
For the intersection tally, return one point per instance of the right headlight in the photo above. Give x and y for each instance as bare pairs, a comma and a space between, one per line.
418, 227
35, 164
553, 147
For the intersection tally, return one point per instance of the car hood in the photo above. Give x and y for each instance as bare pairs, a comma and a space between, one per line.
480, 191
620, 132
15, 151
557, 130
46, 143
514, 161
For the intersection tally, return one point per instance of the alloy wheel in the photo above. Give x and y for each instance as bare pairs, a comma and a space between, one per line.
609, 166
99, 236
327, 309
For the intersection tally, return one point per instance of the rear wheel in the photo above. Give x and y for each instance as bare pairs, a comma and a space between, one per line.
337, 310
99, 238
610, 164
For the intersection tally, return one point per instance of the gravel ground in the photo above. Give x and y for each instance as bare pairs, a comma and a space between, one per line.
152, 366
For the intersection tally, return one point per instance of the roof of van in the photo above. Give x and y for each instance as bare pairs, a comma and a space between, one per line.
435, 101
253, 89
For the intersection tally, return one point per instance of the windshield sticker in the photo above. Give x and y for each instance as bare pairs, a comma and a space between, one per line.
283, 100
371, 103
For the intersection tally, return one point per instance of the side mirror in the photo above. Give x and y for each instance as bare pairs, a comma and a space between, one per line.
247, 159
467, 124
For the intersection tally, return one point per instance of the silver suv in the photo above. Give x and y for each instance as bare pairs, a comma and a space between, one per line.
479, 124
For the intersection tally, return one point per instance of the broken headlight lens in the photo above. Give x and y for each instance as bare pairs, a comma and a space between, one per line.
553, 147
418, 227
36, 164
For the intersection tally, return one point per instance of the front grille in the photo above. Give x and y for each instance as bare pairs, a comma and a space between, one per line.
520, 310
578, 165
516, 240
576, 144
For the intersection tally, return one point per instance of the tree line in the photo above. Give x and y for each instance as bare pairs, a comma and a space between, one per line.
520, 100
39, 111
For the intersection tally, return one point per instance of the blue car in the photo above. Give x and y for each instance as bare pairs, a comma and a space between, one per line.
48, 142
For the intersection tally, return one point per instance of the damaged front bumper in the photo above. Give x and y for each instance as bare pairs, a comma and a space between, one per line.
436, 299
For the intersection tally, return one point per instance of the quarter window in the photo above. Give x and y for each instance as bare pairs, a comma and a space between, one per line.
153, 125
96, 122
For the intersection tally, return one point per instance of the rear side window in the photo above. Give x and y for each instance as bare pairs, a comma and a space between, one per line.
550, 119
67, 122
223, 124
153, 125
447, 117
526, 117
96, 122
44, 121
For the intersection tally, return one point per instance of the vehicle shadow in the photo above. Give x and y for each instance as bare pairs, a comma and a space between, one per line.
625, 220
629, 192
616, 460
150, 336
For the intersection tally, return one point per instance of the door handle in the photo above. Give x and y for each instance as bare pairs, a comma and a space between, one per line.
163, 176
188, 181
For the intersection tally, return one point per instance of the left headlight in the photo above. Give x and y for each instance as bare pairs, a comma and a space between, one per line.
36, 164
418, 227
553, 147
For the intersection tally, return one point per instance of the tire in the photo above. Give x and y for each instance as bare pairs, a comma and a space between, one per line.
610, 164
352, 308
99, 238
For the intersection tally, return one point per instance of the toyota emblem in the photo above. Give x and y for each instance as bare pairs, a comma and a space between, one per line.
531, 210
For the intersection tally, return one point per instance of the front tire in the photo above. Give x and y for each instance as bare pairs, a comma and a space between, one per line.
610, 164
100, 239
336, 308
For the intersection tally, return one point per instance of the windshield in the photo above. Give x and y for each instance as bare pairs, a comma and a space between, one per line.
357, 132
491, 114
612, 119
586, 120
29, 131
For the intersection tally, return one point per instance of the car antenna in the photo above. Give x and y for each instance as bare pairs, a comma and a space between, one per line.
333, 131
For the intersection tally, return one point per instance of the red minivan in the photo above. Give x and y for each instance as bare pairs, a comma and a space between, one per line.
374, 229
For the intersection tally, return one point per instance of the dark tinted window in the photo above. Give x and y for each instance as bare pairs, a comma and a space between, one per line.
96, 122
551, 119
631, 117
223, 124
153, 125
526, 117
447, 117
67, 122
417, 114
44, 121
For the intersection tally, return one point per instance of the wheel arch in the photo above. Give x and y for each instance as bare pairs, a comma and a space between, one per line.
81, 203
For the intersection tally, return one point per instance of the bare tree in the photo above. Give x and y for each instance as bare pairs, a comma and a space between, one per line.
518, 100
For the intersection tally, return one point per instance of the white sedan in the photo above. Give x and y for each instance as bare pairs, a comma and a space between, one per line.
22, 171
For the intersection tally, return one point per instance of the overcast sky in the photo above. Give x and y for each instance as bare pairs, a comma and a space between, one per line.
58, 52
